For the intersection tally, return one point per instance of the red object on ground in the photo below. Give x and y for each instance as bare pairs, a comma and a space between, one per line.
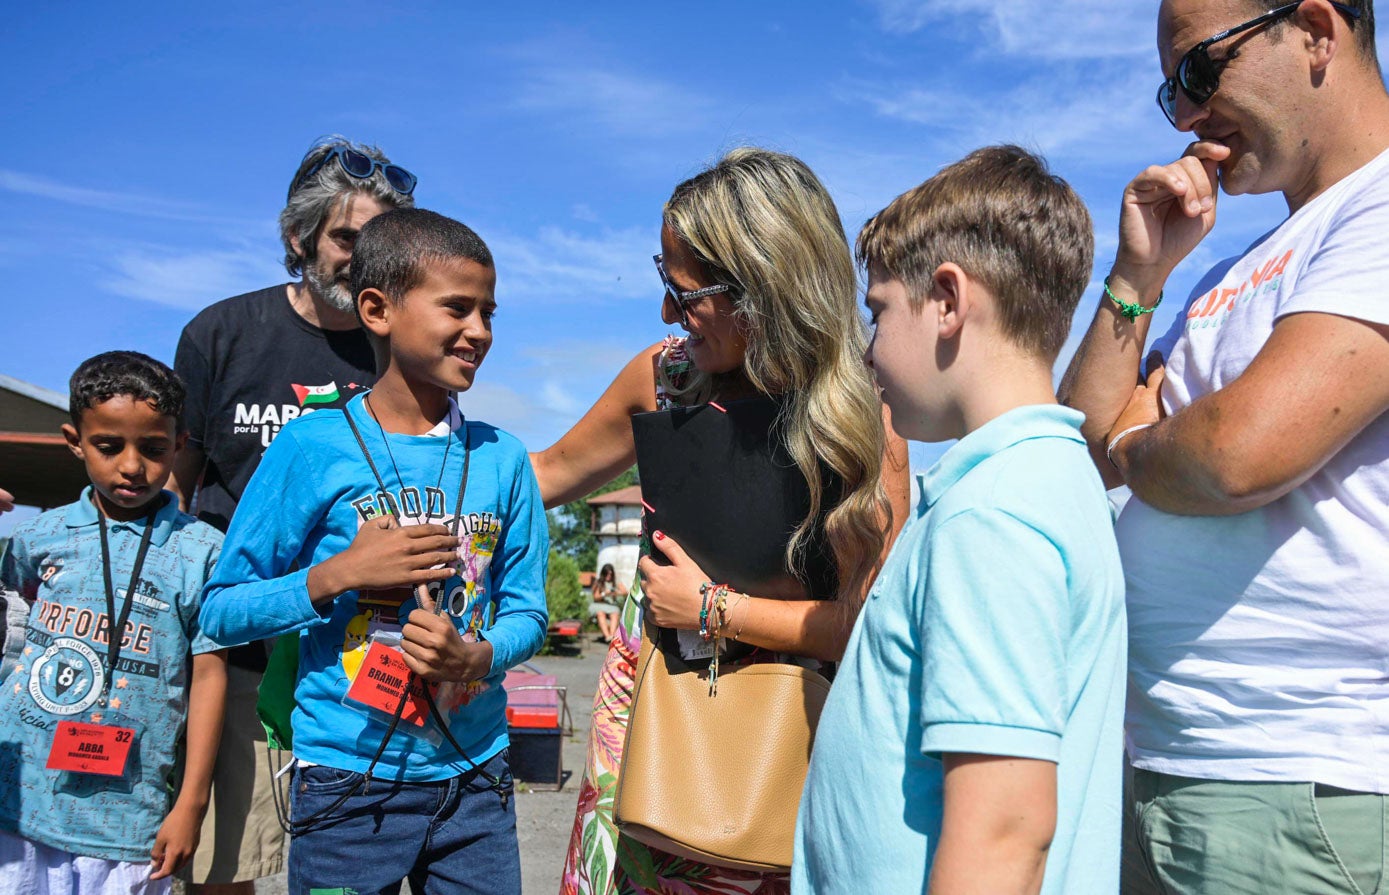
532, 700
569, 627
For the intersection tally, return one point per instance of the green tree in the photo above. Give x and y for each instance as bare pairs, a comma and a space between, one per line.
571, 526
563, 595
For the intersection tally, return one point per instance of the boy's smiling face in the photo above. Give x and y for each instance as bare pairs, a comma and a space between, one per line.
441, 330
128, 447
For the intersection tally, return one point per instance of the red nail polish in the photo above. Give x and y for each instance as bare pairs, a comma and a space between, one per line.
660, 536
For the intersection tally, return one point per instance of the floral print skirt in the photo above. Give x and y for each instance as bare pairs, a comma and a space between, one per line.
600, 860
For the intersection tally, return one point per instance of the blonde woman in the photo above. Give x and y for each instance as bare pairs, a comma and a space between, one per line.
757, 271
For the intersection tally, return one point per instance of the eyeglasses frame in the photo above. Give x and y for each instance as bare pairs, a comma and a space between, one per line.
1169, 86
683, 299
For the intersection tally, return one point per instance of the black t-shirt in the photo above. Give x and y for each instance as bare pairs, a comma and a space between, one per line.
251, 364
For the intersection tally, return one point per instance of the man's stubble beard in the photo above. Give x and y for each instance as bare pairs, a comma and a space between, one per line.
329, 290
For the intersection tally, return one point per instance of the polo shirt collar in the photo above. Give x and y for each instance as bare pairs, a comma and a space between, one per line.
1002, 432
83, 511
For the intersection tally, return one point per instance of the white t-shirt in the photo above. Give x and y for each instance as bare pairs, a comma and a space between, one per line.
1259, 643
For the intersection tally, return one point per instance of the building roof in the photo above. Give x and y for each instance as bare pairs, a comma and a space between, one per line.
35, 463
630, 496
25, 407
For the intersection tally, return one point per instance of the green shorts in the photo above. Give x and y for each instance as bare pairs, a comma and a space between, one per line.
1184, 836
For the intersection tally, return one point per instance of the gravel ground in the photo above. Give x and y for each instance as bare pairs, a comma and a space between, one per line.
544, 818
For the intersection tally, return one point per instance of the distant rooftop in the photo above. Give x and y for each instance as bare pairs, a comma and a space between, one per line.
38, 393
35, 463
624, 497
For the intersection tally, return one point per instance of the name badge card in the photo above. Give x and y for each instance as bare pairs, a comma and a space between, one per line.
90, 748
380, 682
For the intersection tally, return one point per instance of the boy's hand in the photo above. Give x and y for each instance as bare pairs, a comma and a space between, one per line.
176, 840
385, 555
435, 651
671, 592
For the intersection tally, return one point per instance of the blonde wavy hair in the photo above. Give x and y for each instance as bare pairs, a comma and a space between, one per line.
762, 223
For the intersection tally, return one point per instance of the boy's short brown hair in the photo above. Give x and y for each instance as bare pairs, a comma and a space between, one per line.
1002, 216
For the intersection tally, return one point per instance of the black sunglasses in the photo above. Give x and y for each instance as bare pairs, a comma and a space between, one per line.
361, 166
684, 299
1199, 76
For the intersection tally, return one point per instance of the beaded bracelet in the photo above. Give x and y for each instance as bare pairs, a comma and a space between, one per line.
713, 599
713, 596
1129, 310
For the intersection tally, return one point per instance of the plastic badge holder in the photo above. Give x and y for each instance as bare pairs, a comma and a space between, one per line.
375, 691
93, 756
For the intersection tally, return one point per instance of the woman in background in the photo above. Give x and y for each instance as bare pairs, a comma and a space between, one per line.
607, 601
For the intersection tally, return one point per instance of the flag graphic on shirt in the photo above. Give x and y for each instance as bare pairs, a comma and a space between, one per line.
315, 394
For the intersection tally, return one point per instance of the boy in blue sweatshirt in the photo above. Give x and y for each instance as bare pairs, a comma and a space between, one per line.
974, 730
404, 542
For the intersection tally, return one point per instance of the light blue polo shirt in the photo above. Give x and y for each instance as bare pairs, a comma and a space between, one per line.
996, 627
54, 562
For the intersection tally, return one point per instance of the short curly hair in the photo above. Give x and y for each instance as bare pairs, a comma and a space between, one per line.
110, 374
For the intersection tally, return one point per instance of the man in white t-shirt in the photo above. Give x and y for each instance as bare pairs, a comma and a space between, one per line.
1256, 547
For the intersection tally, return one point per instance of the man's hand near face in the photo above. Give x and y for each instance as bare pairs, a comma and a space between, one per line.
1167, 210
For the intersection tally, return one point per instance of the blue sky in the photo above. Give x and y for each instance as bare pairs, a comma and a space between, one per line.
148, 148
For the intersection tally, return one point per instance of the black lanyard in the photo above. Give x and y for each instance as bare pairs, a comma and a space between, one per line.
462, 485
115, 628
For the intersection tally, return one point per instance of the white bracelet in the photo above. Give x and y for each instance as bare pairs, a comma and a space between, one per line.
1109, 451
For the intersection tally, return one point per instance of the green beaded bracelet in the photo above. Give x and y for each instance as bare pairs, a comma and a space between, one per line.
1129, 310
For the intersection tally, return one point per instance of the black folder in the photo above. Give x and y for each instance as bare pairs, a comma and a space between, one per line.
719, 480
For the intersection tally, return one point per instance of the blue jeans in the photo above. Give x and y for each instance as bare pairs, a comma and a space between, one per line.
448, 836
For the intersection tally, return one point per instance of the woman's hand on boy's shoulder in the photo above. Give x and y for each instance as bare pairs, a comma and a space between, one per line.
385, 555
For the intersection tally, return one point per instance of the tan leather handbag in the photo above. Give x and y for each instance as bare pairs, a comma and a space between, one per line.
717, 779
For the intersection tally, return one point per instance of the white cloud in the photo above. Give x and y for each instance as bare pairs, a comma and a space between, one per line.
582, 355
602, 97
522, 407
555, 396
511, 409
1038, 29
548, 387
1054, 114
559, 265
105, 200
190, 280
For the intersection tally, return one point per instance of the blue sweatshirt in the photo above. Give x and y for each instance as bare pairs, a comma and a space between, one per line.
311, 493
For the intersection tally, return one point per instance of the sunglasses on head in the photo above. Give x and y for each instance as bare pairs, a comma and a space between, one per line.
361, 166
684, 299
1198, 75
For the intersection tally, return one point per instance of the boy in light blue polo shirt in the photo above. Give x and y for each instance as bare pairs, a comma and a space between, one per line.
96, 726
974, 731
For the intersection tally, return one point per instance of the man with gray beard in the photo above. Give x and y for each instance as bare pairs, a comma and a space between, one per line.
251, 364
